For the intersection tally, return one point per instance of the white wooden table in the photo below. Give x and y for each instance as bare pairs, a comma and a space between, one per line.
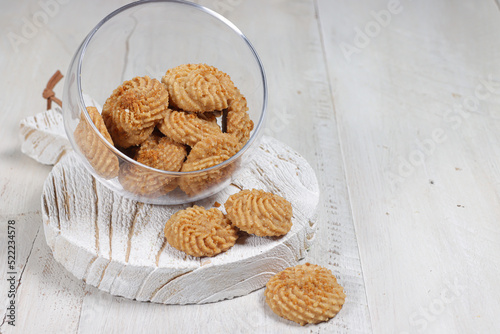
395, 104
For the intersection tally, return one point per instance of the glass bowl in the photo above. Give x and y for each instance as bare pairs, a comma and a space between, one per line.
147, 38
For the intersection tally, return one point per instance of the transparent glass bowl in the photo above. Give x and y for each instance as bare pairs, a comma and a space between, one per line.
147, 38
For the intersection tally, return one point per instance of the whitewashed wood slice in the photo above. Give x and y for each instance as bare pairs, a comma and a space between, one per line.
117, 244
43, 137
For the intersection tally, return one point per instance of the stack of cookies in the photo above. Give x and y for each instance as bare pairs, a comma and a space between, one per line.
173, 125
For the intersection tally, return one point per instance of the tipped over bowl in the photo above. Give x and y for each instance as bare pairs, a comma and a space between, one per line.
147, 38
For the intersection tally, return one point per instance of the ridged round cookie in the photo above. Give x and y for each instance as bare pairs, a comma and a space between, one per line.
133, 110
187, 128
104, 162
306, 294
206, 153
161, 153
259, 212
200, 232
157, 152
238, 120
198, 88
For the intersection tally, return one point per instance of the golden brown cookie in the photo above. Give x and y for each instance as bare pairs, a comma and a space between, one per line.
200, 232
187, 128
161, 153
206, 153
198, 88
133, 110
259, 212
238, 120
104, 162
306, 294
157, 152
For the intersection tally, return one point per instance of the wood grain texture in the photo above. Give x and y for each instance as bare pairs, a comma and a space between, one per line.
25, 234
301, 113
43, 138
41, 281
417, 109
118, 244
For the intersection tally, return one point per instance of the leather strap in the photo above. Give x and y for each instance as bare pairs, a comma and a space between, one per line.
48, 93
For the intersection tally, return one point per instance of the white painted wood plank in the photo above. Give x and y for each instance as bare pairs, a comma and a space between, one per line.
423, 175
49, 298
26, 228
302, 115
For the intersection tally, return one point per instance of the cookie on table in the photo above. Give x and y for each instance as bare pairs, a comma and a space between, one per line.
200, 232
134, 109
305, 294
104, 162
259, 212
208, 152
198, 88
188, 128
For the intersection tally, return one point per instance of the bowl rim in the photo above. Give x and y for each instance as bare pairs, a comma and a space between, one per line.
83, 106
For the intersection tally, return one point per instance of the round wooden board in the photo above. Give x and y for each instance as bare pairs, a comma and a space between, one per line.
117, 244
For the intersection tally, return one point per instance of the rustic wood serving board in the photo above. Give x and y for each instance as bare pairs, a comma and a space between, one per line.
117, 244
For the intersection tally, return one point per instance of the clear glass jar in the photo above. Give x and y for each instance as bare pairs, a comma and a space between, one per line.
147, 38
